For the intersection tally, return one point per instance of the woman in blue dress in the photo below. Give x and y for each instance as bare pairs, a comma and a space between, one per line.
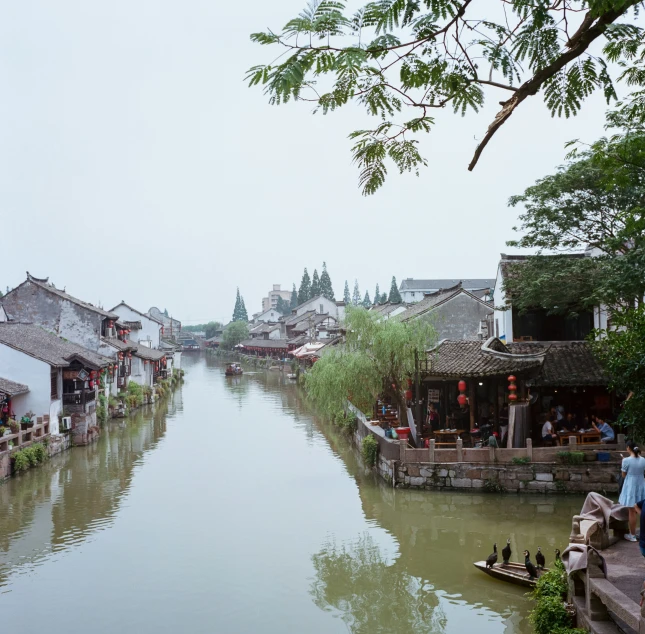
633, 469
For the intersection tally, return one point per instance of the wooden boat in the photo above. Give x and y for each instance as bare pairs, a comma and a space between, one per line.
233, 369
512, 572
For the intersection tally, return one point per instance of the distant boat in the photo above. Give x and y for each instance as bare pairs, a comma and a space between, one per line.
233, 369
511, 572
292, 376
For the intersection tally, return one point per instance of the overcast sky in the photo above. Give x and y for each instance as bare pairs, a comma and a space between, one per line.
136, 165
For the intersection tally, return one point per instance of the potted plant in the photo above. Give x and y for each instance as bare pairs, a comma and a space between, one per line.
13, 425
26, 421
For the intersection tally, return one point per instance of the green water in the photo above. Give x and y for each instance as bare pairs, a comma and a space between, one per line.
235, 510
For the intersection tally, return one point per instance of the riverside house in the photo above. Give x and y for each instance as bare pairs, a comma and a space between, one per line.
60, 376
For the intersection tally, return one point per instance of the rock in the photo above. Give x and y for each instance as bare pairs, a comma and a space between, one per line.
426, 473
443, 473
413, 471
462, 483
417, 481
477, 484
544, 477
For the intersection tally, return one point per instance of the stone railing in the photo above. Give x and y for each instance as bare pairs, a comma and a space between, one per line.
13, 442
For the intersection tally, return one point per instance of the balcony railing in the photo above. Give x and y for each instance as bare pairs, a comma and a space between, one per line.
79, 398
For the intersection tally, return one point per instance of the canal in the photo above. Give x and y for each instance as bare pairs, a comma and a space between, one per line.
234, 510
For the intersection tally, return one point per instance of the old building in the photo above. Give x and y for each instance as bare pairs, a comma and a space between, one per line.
145, 329
455, 313
171, 326
413, 290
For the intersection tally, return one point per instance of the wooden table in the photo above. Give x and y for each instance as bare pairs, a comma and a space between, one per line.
586, 438
443, 436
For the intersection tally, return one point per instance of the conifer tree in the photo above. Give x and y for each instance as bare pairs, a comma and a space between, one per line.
367, 302
377, 295
304, 292
346, 297
294, 298
239, 312
356, 297
395, 296
315, 285
326, 289
383, 299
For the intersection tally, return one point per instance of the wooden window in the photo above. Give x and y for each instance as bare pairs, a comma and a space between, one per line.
54, 384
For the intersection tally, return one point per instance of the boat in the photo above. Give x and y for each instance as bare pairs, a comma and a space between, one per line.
233, 369
512, 572
292, 376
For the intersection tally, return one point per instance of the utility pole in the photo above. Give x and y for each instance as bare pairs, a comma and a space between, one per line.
418, 392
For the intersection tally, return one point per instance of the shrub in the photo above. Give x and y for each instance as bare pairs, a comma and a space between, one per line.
369, 449
21, 461
492, 485
571, 457
524, 460
113, 402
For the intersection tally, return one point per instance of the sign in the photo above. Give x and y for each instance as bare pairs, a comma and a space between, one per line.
83, 375
434, 396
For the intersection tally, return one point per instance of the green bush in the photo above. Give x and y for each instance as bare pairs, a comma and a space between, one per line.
524, 460
29, 457
493, 485
113, 402
21, 461
369, 449
571, 457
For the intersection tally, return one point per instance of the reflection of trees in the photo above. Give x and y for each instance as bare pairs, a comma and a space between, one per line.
372, 595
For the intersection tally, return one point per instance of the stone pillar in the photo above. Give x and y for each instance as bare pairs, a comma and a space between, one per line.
620, 442
491, 454
402, 446
460, 450
432, 448
573, 443
529, 449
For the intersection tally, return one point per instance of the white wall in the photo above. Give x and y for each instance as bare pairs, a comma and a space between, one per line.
150, 330
21, 368
315, 304
269, 315
503, 319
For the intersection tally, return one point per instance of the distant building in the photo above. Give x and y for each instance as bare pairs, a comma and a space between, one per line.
271, 300
171, 326
415, 290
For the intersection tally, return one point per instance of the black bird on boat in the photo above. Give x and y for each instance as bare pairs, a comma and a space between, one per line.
530, 568
539, 559
492, 558
557, 554
507, 552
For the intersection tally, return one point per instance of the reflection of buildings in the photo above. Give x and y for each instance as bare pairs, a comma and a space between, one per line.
69, 499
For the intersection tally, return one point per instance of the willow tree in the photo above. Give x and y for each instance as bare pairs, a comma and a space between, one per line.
377, 359
404, 60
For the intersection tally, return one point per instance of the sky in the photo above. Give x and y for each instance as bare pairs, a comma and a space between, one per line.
136, 165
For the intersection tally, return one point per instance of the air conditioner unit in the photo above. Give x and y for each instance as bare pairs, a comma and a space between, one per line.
66, 423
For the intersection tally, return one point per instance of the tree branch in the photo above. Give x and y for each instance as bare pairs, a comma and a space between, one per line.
578, 44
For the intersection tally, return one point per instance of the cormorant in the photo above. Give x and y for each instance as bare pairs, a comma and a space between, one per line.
492, 558
539, 559
557, 554
506, 551
530, 568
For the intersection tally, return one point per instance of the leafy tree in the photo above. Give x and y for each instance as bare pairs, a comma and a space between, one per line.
383, 299
367, 302
377, 296
326, 288
211, 328
239, 312
596, 202
315, 284
283, 306
346, 296
395, 296
377, 358
402, 59
294, 298
304, 292
234, 333
356, 296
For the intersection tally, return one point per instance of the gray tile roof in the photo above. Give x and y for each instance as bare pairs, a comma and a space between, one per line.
122, 303
44, 284
314, 320
431, 301
47, 347
294, 319
120, 345
12, 388
277, 344
410, 284
143, 352
385, 309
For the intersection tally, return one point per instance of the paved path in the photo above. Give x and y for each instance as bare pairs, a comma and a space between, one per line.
626, 568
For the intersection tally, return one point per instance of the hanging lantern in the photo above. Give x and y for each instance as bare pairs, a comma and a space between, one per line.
121, 356
145, 362
409, 382
91, 385
93, 374
461, 386
129, 355
408, 395
461, 399
110, 324
512, 388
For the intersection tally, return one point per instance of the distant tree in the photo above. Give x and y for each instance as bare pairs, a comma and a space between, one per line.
356, 295
165, 312
239, 312
304, 292
367, 302
395, 296
383, 299
326, 289
283, 306
346, 296
234, 333
315, 285
377, 295
211, 328
294, 298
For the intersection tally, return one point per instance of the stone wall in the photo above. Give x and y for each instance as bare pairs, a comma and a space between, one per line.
84, 429
55, 445
527, 478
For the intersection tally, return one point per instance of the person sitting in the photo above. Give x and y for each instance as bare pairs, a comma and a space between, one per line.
569, 423
603, 428
548, 431
433, 418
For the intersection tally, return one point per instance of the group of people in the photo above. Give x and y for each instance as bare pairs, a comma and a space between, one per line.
560, 420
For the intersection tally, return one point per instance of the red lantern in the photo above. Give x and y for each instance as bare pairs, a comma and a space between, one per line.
408, 395
461, 399
91, 385
512, 388
129, 355
93, 374
461, 386
512, 396
121, 356
145, 362
409, 382
121, 332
